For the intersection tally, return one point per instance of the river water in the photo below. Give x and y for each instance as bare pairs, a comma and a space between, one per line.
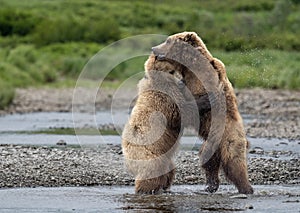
184, 198
12, 125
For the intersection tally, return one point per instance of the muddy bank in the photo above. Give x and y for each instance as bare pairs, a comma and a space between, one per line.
274, 113
28, 166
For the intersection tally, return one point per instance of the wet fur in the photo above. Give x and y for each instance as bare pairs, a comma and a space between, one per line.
231, 154
149, 145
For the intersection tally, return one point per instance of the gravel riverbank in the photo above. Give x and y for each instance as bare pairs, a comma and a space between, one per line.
28, 166
272, 114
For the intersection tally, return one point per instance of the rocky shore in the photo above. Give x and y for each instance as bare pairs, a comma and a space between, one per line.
272, 114
276, 113
28, 166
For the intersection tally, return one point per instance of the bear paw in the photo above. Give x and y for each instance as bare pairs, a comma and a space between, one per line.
211, 188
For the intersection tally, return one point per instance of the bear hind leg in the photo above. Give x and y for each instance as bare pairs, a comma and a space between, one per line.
169, 180
212, 173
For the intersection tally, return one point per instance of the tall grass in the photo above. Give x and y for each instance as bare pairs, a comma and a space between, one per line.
230, 25
6, 94
42, 42
262, 68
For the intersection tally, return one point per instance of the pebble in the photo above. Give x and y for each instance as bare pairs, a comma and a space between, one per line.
191, 178
61, 143
257, 150
239, 196
249, 206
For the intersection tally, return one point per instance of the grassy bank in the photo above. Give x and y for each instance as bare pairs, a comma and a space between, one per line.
262, 68
43, 42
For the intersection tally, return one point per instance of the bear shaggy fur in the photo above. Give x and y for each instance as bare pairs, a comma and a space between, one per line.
222, 128
150, 138
163, 107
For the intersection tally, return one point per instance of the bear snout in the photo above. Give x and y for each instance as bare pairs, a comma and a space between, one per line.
181, 84
158, 54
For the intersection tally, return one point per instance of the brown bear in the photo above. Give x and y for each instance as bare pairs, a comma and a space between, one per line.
222, 128
150, 138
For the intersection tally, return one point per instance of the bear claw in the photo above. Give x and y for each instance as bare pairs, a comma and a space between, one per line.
246, 191
211, 188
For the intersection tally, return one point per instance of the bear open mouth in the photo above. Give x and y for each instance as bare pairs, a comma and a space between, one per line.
160, 57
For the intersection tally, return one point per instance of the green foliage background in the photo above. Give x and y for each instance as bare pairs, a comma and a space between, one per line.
49, 41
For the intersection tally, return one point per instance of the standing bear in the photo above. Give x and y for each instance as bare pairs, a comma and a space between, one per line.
225, 144
151, 136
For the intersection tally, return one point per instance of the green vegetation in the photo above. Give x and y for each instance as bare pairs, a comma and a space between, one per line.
6, 94
48, 42
262, 68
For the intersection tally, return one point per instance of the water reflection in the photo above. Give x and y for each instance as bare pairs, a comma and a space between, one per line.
181, 202
184, 198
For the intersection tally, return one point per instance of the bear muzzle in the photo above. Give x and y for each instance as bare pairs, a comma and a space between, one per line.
181, 84
158, 55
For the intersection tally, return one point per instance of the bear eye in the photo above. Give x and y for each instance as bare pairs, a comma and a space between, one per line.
172, 72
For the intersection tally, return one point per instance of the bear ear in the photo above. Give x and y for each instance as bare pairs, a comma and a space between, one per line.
191, 38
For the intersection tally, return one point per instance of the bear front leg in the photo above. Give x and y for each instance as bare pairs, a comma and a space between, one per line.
234, 163
235, 170
155, 185
159, 184
149, 186
170, 178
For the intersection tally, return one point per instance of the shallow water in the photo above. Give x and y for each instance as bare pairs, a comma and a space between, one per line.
10, 125
183, 198
46, 120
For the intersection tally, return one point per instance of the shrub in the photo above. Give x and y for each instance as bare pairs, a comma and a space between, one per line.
22, 56
16, 22
280, 13
289, 76
71, 66
200, 21
69, 29
294, 23
58, 31
127, 69
12, 75
47, 72
253, 5
7, 93
102, 31
23, 61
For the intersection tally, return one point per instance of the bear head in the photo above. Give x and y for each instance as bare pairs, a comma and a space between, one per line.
187, 52
167, 66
